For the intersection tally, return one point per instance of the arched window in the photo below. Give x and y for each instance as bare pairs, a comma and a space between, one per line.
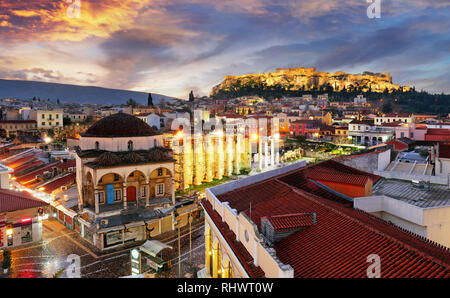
97, 145
130, 145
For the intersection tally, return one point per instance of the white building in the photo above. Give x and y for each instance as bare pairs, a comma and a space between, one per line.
394, 117
124, 179
424, 211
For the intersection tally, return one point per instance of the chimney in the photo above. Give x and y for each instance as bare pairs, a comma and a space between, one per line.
278, 227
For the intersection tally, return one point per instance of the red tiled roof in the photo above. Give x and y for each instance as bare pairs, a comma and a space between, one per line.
438, 131
324, 175
11, 200
55, 184
342, 238
20, 161
393, 124
40, 171
397, 115
291, 221
398, 145
26, 166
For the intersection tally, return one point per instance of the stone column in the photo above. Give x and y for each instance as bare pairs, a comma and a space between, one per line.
97, 207
272, 152
124, 195
209, 158
147, 194
173, 191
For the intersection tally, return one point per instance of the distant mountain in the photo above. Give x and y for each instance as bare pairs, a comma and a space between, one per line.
72, 93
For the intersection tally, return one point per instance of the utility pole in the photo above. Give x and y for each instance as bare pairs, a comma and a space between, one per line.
190, 238
179, 254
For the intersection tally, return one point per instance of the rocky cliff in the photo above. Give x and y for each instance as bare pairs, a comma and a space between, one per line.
309, 79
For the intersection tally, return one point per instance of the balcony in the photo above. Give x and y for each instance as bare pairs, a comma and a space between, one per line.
137, 206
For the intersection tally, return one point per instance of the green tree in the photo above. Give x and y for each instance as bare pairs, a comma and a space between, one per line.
150, 100
387, 107
67, 121
131, 102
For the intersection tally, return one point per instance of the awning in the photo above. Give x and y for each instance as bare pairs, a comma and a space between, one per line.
63, 209
153, 247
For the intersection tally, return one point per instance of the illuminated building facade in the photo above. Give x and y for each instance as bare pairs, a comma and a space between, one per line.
222, 148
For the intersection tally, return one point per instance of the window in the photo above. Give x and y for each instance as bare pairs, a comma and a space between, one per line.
57, 116
101, 197
160, 189
116, 177
160, 172
43, 116
411, 135
57, 123
117, 195
144, 191
43, 123
130, 145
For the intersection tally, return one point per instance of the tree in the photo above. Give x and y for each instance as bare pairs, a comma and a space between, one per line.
191, 96
67, 121
57, 101
387, 107
131, 102
150, 100
6, 259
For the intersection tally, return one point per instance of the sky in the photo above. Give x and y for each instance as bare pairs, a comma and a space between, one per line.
171, 47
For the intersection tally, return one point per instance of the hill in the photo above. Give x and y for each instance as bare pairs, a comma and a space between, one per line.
72, 93
308, 79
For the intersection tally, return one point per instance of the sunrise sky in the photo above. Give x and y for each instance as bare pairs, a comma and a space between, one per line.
171, 47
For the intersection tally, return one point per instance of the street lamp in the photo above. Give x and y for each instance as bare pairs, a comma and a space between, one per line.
177, 225
190, 218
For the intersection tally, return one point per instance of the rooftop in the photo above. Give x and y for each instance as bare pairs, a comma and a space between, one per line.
341, 238
11, 200
119, 125
436, 196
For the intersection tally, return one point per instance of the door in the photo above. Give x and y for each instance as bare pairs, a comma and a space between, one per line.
131, 194
110, 193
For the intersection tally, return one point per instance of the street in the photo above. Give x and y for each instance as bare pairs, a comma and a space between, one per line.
50, 257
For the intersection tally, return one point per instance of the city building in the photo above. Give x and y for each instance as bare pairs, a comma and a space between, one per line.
307, 128
394, 117
412, 131
76, 117
16, 127
20, 218
220, 151
443, 161
124, 179
284, 223
47, 119
363, 133
421, 209
5, 173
